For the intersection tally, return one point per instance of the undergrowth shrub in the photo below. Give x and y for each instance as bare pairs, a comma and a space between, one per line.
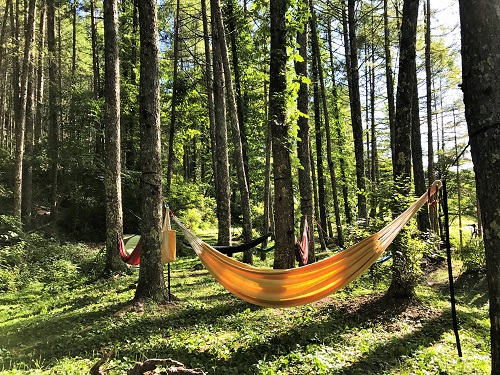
39, 259
472, 255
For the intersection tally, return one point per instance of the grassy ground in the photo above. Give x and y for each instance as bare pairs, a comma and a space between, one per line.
64, 328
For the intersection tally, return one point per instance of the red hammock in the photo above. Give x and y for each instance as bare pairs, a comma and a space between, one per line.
134, 257
302, 247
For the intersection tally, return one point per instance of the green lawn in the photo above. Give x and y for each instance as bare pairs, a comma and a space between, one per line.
65, 327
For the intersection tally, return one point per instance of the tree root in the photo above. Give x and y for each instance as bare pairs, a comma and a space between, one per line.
175, 367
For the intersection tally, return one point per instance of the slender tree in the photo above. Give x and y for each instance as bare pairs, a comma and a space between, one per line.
21, 113
54, 126
173, 115
480, 29
40, 74
235, 131
304, 143
428, 87
233, 35
112, 175
318, 131
210, 91
223, 193
403, 276
389, 79
283, 191
416, 156
357, 123
326, 117
340, 138
151, 283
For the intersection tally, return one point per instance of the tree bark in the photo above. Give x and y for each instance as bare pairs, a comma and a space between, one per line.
428, 87
151, 283
389, 78
329, 151
357, 123
240, 102
99, 141
173, 114
340, 138
53, 139
112, 175
283, 191
40, 75
480, 29
319, 156
27, 194
210, 92
416, 156
236, 132
223, 193
21, 113
403, 277
304, 142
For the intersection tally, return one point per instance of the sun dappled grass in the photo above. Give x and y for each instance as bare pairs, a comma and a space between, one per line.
65, 328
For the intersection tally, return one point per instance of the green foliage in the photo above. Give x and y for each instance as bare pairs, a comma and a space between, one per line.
190, 201
35, 259
472, 255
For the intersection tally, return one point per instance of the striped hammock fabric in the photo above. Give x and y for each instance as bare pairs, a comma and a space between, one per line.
307, 284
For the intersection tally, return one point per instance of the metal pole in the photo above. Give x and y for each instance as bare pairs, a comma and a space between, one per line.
168, 278
450, 272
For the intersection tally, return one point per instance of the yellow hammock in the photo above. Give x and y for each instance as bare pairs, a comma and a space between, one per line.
303, 285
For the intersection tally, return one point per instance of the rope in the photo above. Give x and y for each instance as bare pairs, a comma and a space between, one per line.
472, 136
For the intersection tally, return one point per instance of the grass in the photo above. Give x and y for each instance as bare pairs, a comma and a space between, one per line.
65, 328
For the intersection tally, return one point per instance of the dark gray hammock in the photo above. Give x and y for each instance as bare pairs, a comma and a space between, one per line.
230, 250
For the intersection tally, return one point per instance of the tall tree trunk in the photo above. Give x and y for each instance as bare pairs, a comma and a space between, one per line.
403, 276
236, 133
53, 140
416, 155
480, 28
340, 138
4, 29
210, 92
375, 175
27, 201
112, 174
267, 179
303, 142
459, 187
27, 184
428, 86
329, 151
283, 191
3, 76
99, 141
319, 155
240, 103
357, 123
151, 283
21, 113
40, 74
173, 114
223, 180
3, 104
389, 78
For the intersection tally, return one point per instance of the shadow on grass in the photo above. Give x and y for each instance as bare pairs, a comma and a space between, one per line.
84, 328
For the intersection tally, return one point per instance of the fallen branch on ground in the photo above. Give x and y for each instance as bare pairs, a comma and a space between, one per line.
175, 367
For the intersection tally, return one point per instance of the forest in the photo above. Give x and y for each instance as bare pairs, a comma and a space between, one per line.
249, 187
